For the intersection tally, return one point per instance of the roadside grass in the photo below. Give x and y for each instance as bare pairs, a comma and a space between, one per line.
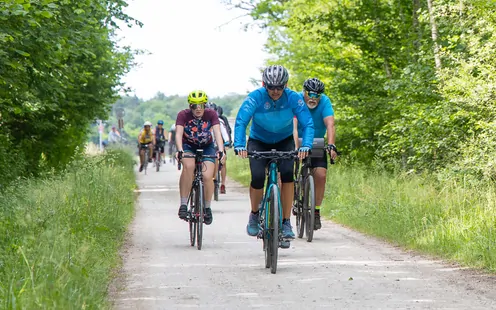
60, 236
449, 219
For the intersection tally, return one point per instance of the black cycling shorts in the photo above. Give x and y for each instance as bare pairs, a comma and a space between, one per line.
319, 162
257, 166
160, 146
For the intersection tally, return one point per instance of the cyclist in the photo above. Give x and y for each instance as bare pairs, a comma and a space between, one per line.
160, 139
223, 172
271, 109
146, 137
193, 131
320, 107
172, 140
225, 137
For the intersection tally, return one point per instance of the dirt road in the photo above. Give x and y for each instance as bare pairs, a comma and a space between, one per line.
340, 269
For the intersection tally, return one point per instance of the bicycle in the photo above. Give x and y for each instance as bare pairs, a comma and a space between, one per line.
196, 198
146, 155
172, 151
271, 207
217, 184
158, 159
304, 191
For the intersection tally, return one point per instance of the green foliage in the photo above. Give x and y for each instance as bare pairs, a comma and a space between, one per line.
163, 107
449, 219
377, 59
60, 68
59, 236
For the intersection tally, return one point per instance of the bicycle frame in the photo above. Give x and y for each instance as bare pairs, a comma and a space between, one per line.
264, 211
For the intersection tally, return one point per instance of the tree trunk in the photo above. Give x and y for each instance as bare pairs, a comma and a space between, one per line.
437, 58
416, 25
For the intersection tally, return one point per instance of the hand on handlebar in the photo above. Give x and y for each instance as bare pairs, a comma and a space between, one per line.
179, 155
241, 152
222, 157
303, 152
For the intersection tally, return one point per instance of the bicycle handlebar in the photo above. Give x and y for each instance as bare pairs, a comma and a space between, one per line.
272, 154
185, 155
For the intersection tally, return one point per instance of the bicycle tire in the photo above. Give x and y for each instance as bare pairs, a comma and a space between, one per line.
309, 207
200, 207
157, 164
265, 235
192, 220
300, 219
274, 228
145, 161
217, 187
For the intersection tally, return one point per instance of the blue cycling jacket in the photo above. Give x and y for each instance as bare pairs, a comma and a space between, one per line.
272, 121
321, 111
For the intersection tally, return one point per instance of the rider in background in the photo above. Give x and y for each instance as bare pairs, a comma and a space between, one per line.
225, 141
172, 140
160, 139
271, 109
320, 107
223, 172
193, 131
146, 137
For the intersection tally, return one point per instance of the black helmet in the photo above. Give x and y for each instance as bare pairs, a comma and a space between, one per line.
315, 85
211, 105
275, 76
220, 111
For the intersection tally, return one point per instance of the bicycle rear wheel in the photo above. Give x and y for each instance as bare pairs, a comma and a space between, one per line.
200, 207
273, 219
309, 207
146, 161
217, 186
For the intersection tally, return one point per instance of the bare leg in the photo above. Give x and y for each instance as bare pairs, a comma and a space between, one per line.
256, 196
287, 195
319, 176
208, 180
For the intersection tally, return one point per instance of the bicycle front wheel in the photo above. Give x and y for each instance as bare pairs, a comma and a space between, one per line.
273, 219
297, 205
192, 220
200, 207
309, 207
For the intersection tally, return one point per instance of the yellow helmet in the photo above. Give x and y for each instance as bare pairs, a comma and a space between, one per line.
197, 96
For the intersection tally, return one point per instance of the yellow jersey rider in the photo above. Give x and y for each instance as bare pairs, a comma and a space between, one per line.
146, 139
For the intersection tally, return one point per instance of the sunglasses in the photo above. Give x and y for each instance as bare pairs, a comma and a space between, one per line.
313, 95
196, 106
275, 87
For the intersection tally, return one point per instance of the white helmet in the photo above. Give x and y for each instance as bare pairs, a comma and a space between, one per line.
147, 123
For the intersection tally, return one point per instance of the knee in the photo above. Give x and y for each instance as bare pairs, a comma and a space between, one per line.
188, 167
257, 179
320, 176
287, 174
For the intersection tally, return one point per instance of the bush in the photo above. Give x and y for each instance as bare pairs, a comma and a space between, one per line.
59, 236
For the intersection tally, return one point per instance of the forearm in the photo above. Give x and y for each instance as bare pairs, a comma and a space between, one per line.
218, 137
179, 139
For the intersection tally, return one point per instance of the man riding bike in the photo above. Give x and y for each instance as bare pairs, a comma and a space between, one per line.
193, 131
146, 137
160, 140
271, 109
225, 142
172, 140
223, 172
320, 107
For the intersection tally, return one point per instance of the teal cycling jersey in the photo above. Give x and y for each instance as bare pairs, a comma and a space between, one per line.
272, 120
321, 111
